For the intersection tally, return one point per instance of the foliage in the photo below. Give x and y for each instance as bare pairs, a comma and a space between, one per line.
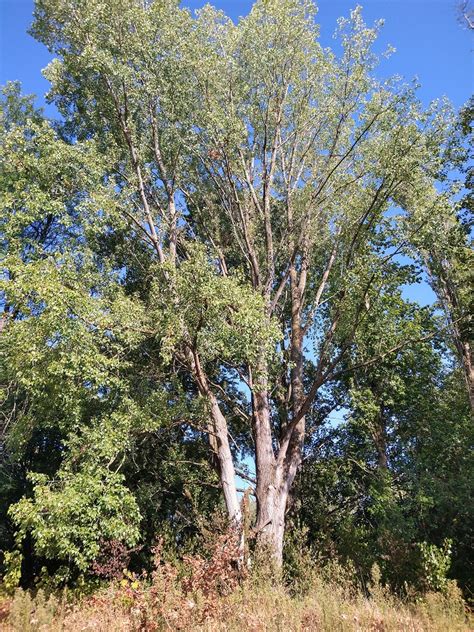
396, 474
67, 519
12, 575
202, 260
436, 562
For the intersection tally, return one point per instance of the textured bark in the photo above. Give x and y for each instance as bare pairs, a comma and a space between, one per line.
226, 463
219, 441
271, 503
265, 463
276, 474
272, 533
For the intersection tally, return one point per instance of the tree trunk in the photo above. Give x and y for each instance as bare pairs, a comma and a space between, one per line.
273, 504
466, 354
219, 441
265, 462
461, 342
226, 462
271, 499
275, 475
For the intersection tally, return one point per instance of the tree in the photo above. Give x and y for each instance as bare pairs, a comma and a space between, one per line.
79, 399
466, 14
444, 246
259, 174
392, 481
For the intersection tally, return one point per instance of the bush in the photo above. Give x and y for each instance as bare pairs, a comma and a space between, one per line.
435, 563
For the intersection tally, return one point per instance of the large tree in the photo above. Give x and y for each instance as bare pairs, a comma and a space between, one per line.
260, 180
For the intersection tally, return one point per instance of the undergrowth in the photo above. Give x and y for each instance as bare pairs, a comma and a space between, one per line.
219, 592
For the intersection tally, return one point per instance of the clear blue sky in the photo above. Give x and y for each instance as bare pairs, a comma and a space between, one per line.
430, 43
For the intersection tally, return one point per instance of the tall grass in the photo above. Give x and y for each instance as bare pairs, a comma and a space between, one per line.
215, 593
268, 608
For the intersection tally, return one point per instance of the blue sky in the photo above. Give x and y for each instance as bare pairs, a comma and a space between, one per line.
431, 45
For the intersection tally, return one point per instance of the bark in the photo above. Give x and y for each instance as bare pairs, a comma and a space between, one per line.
226, 463
274, 506
270, 488
275, 478
466, 354
464, 350
276, 474
291, 447
219, 440
265, 463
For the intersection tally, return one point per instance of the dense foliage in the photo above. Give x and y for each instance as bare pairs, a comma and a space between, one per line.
204, 265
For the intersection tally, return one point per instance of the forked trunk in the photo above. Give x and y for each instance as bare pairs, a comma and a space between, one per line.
275, 477
276, 472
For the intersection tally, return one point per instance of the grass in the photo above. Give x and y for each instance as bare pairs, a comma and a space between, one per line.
214, 594
162, 605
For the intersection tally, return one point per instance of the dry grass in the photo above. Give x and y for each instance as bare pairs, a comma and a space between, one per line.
211, 594
271, 609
